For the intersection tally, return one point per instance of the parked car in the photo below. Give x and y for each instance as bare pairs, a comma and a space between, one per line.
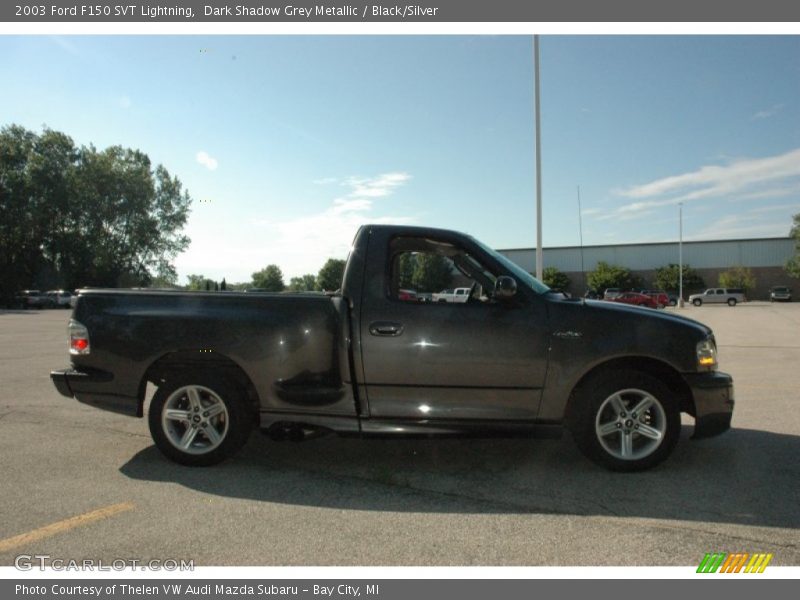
661, 298
407, 295
611, 293
673, 299
516, 358
729, 296
636, 299
59, 298
591, 295
30, 299
457, 295
780, 293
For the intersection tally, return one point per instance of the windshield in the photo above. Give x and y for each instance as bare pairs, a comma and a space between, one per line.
520, 273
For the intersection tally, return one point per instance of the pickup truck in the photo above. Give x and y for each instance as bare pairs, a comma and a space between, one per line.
729, 296
460, 294
513, 359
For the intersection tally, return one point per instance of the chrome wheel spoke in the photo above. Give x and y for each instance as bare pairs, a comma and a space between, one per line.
609, 428
649, 432
626, 445
194, 398
642, 406
617, 404
212, 434
174, 414
188, 437
216, 409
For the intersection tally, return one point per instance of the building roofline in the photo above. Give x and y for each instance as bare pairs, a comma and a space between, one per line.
672, 243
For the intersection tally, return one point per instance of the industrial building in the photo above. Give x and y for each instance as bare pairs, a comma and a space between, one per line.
765, 257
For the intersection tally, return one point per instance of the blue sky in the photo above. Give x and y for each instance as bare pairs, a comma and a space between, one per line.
291, 142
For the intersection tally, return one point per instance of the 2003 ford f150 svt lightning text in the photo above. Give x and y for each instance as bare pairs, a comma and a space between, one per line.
367, 360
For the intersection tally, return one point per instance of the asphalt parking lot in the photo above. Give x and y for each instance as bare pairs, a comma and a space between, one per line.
334, 501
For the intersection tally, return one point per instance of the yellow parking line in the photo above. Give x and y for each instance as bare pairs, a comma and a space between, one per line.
65, 525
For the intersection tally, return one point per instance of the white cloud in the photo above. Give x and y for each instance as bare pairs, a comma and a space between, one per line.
299, 245
739, 176
207, 160
65, 44
769, 112
740, 180
377, 187
741, 226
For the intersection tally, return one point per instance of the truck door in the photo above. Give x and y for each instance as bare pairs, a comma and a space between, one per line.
478, 359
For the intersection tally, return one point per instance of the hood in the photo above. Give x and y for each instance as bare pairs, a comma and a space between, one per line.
603, 314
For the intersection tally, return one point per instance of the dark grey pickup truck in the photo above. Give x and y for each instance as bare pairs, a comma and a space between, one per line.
376, 358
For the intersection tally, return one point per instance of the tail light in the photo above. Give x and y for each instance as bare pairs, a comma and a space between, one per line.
78, 338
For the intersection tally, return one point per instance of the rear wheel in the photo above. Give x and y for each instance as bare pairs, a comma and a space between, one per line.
731, 301
626, 420
697, 302
198, 419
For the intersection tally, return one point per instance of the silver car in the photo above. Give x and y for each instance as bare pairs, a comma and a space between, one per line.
780, 293
729, 296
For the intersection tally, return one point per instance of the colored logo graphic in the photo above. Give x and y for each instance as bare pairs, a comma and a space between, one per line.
734, 563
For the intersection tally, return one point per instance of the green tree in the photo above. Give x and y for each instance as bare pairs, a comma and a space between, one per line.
555, 279
407, 265
738, 277
667, 278
196, 282
330, 275
611, 276
269, 278
432, 273
86, 217
304, 283
793, 264
223, 286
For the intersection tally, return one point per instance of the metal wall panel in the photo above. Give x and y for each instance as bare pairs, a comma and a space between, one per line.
723, 254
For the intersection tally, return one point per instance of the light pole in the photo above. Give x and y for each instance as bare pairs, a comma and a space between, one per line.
680, 254
539, 257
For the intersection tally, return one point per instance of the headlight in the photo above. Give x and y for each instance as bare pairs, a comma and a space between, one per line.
706, 355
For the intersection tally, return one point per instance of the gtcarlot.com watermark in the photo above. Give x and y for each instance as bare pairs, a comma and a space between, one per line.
29, 562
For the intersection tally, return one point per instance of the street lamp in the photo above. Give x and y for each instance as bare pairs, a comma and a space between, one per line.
680, 254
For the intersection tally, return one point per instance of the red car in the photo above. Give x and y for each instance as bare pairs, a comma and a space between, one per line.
660, 297
637, 299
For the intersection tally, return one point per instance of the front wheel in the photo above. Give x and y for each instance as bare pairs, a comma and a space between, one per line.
625, 420
199, 420
697, 302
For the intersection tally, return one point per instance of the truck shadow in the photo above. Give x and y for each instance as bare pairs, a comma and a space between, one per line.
744, 477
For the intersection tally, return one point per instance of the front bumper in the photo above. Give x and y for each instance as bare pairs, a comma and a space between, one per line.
713, 402
82, 385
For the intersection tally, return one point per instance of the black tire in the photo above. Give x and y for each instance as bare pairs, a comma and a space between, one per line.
731, 301
232, 425
593, 407
697, 302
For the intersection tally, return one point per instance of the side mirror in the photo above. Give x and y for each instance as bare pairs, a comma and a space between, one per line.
505, 288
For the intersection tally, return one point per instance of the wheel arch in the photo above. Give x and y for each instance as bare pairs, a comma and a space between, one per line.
182, 361
661, 370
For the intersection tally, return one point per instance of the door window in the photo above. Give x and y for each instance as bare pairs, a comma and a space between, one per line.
427, 270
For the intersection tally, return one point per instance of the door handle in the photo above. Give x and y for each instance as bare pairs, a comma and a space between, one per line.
385, 328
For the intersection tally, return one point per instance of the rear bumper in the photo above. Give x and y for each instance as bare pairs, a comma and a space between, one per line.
82, 385
713, 401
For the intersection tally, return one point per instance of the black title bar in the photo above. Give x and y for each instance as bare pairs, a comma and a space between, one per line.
543, 11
